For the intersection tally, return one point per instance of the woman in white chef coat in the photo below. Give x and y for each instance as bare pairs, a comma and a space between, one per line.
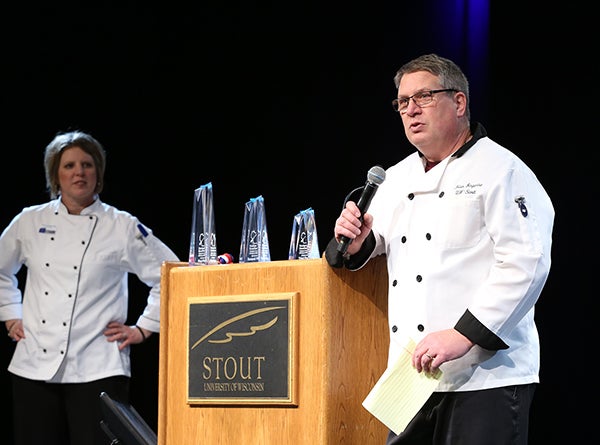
466, 228
69, 324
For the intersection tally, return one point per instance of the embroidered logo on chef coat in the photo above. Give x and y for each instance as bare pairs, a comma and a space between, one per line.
520, 200
47, 228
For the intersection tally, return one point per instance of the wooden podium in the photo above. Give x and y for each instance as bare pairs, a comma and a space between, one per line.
342, 341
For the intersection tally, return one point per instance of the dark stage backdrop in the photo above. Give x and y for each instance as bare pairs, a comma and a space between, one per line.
294, 103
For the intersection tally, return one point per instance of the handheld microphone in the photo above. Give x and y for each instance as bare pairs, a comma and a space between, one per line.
375, 176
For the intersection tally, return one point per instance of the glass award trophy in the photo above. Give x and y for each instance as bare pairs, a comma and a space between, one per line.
255, 242
203, 243
304, 243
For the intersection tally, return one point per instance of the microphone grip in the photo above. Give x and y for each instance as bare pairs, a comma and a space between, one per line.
343, 244
363, 204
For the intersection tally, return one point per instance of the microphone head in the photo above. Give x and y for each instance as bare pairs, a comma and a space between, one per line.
376, 175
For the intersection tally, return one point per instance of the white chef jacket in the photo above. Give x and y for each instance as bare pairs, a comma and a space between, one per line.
76, 283
473, 233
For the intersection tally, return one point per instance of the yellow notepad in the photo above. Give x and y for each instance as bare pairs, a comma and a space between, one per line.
400, 392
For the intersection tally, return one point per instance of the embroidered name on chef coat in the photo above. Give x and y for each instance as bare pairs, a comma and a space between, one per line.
47, 228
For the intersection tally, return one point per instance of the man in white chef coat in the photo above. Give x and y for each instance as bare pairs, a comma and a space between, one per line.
466, 228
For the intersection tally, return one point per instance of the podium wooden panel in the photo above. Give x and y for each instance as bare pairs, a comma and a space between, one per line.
342, 352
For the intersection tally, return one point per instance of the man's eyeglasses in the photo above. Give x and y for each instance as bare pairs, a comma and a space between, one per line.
421, 99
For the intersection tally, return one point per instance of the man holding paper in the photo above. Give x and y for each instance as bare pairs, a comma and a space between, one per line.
467, 230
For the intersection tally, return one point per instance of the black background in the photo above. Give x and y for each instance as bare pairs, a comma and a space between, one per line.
292, 101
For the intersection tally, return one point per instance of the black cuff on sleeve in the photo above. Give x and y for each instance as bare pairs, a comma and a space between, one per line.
475, 331
333, 257
353, 262
359, 259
